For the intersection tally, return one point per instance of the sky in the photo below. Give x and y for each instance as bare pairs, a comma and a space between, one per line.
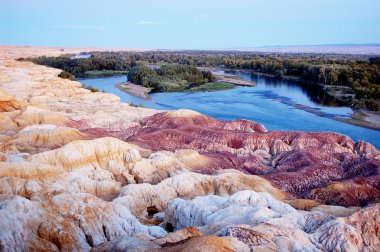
195, 24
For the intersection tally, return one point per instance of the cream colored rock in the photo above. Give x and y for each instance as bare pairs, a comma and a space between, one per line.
189, 185
27, 170
264, 223
244, 207
39, 137
115, 160
4, 77
40, 87
69, 222
358, 232
127, 243
179, 235
34, 115
183, 113
99, 167
279, 146
337, 211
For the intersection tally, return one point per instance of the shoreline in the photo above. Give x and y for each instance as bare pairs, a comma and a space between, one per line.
357, 119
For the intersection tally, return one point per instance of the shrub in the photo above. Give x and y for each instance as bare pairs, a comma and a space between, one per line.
209, 76
136, 105
66, 75
371, 104
91, 88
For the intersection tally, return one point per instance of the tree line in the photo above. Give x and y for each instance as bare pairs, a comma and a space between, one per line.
79, 67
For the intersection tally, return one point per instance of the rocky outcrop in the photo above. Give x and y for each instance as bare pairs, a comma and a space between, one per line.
39, 137
69, 222
101, 166
263, 223
189, 185
296, 162
9, 103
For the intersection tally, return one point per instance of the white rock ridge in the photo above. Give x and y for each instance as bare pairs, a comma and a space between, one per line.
264, 223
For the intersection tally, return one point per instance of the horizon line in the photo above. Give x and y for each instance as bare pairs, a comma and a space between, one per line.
323, 48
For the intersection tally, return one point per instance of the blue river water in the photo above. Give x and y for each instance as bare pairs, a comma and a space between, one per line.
275, 104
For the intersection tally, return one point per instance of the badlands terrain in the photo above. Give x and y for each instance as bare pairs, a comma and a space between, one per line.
82, 171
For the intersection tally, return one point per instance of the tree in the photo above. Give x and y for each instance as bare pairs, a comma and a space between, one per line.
209, 76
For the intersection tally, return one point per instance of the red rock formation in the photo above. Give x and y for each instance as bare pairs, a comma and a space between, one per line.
296, 162
8, 103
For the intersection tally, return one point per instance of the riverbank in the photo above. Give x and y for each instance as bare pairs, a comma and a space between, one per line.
363, 118
228, 78
233, 79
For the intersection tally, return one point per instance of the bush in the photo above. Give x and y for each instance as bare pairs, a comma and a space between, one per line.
136, 105
168, 86
371, 104
209, 76
66, 75
91, 88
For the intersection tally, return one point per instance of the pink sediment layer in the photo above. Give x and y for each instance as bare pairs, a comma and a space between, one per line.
304, 164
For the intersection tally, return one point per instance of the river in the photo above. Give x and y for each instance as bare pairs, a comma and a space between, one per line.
278, 105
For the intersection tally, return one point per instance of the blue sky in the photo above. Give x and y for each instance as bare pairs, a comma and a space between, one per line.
195, 24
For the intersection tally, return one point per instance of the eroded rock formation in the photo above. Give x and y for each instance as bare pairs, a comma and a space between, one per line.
82, 171
297, 162
263, 223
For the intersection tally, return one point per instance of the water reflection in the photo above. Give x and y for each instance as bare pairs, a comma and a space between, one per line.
314, 93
